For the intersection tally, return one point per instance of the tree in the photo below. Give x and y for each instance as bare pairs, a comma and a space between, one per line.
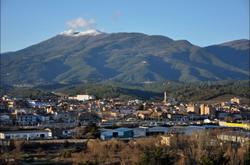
157, 156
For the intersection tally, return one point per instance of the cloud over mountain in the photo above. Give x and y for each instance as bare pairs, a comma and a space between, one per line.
81, 23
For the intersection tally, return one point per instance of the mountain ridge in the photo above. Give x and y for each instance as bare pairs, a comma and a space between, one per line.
124, 57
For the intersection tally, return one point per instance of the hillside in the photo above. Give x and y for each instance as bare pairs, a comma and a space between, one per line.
123, 57
184, 92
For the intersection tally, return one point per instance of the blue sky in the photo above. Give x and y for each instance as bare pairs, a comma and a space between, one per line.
202, 22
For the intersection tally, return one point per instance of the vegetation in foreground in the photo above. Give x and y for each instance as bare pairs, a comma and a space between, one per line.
198, 148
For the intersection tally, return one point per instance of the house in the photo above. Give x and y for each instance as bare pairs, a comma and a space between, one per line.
235, 100
11, 104
27, 119
166, 140
193, 108
3, 106
26, 134
38, 104
69, 133
65, 117
156, 115
5, 119
50, 109
46, 118
86, 118
143, 114
175, 116
205, 109
82, 97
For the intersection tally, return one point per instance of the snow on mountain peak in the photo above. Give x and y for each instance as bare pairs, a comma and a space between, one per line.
91, 32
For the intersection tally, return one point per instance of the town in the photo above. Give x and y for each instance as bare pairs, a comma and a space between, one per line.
60, 120
61, 117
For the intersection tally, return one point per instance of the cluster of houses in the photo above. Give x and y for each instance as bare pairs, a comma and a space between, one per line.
132, 118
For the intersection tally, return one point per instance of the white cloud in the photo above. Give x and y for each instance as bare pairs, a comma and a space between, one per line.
80, 23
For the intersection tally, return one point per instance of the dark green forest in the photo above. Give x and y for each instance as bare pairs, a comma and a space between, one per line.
196, 91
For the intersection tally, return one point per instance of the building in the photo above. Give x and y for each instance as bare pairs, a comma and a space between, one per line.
193, 108
157, 130
3, 106
166, 140
26, 134
238, 137
140, 131
82, 97
205, 109
124, 133
38, 104
50, 109
143, 114
5, 119
236, 125
27, 119
165, 97
235, 100
175, 116
11, 104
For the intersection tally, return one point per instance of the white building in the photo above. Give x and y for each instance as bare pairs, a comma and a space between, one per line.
82, 97
235, 100
26, 134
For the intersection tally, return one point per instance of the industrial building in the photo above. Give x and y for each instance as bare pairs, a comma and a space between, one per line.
124, 133
26, 134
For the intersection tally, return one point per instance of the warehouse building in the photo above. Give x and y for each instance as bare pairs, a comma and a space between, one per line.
26, 134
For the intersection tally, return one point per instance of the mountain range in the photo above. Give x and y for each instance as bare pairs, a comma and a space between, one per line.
94, 56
